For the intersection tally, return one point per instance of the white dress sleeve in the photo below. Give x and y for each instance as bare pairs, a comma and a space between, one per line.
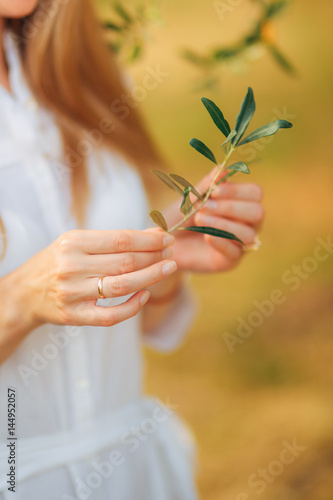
173, 328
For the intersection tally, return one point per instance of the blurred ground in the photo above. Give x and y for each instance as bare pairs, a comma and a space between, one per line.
276, 386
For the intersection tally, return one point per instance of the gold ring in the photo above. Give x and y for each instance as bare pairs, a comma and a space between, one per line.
100, 288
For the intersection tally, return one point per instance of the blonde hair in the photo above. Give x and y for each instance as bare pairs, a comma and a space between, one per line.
73, 73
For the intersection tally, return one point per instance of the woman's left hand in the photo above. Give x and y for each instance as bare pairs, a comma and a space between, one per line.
233, 207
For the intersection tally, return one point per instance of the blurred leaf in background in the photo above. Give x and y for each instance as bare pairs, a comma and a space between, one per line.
130, 26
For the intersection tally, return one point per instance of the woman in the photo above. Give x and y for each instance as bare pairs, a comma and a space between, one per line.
78, 263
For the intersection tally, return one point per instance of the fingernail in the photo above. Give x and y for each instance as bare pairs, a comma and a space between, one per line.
166, 253
168, 240
144, 298
169, 268
211, 204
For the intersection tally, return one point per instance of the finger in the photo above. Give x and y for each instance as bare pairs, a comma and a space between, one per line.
204, 184
122, 263
114, 241
242, 231
230, 251
118, 286
244, 211
238, 191
195, 256
93, 315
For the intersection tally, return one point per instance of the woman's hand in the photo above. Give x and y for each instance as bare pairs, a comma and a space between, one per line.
60, 282
232, 207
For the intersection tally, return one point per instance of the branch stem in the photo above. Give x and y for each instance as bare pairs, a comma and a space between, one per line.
210, 190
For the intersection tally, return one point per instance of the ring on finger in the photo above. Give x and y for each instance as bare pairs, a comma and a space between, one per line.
100, 288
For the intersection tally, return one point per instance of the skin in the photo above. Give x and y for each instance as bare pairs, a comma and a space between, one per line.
59, 284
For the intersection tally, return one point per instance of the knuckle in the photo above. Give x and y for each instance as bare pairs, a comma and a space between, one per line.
128, 264
156, 272
116, 286
64, 268
62, 294
67, 241
109, 321
122, 241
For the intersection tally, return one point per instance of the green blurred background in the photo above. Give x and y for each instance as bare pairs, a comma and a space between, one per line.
277, 385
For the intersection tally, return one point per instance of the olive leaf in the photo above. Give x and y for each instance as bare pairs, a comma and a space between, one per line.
245, 115
274, 8
159, 219
214, 232
185, 183
239, 166
223, 172
186, 205
203, 149
119, 8
265, 131
169, 182
230, 136
112, 26
281, 59
217, 116
136, 52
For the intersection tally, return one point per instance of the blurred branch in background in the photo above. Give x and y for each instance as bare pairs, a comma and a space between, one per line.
262, 37
130, 29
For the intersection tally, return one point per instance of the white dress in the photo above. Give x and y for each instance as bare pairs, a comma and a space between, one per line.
84, 429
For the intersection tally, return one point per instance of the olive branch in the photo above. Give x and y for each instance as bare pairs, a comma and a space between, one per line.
233, 140
262, 35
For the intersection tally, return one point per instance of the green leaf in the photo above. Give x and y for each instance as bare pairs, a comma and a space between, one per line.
159, 219
228, 139
281, 59
112, 26
185, 183
203, 149
118, 7
217, 116
185, 207
213, 232
245, 115
169, 182
274, 8
135, 52
239, 166
265, 131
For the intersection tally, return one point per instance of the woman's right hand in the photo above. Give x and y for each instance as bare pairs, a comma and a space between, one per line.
61, 281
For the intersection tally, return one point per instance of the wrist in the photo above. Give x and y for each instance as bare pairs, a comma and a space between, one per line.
18, 315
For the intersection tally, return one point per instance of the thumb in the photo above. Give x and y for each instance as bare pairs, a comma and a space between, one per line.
204, 184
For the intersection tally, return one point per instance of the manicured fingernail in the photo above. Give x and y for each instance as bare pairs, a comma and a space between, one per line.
166, 253
169, 268
168, 240
144, 298
211, 204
